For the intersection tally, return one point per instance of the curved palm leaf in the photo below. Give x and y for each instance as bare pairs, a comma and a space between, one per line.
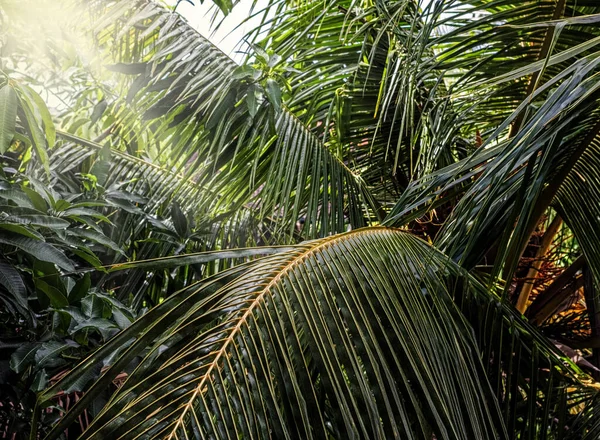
156, 183
516, 179
577, 200
351, 99
355, 335
410, 79
223, 144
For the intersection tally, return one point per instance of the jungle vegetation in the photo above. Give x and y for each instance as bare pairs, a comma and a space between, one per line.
382, 223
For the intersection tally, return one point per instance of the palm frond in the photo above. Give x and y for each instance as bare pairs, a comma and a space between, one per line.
515, 170
155, 183
186, 78
577, 198
353, 335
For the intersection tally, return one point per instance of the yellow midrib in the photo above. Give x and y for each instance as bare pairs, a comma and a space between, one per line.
257, 300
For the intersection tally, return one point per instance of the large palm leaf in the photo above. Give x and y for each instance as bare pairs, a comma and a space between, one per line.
403, 95
355, 335
185, 81
372, 100
524, 170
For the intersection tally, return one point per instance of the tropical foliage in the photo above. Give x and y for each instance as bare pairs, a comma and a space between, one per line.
383, 223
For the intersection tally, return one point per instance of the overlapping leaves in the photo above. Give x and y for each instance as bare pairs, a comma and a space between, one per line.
354, 335
185, 81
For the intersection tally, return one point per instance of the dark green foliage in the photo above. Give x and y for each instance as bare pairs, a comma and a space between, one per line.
196, 213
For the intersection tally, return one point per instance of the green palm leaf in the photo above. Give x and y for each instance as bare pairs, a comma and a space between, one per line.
355, 335
157, 184
189, 83
514, 179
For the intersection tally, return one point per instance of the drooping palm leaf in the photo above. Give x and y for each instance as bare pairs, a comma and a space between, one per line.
404, 87
353, 335
157, 184
345, 98
222, 144
577, 201
515, 170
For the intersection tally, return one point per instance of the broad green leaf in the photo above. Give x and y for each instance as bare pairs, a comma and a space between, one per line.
87, 255
11, 280
274, 93
55, 296
40, 250
122, 319
80, 289
23, 356
49, 129
40, 220
36, 199
95, 307
72, 212
18, 197
96, 237
49, 351
179, 221
101, 170
8, 116
21, 230
243, 72
40, 381
37, 136
251, 100
18, 209
61, 205
99, 110
274, 60
99, 324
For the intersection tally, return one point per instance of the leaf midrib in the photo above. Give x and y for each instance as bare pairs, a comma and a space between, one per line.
293, 262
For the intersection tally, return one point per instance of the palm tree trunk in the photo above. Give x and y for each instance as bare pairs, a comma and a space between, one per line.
537, 263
